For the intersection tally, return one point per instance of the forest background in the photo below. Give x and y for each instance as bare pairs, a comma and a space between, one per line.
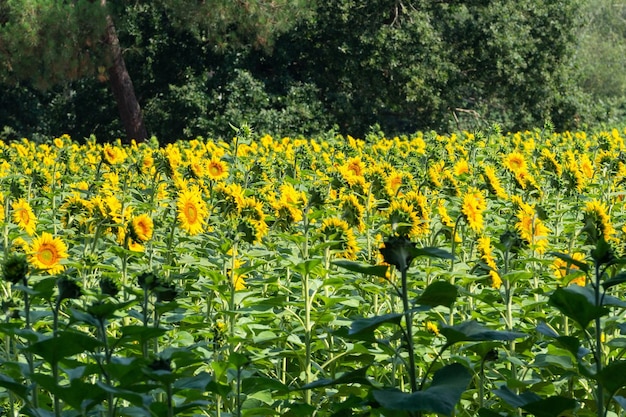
179, 69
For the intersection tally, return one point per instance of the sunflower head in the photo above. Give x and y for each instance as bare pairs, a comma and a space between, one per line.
597, 223
109, 286
341, 238
402, 219
47, 253
141, 228
192, 211
15, 268
398, 251
68, 288
217, 170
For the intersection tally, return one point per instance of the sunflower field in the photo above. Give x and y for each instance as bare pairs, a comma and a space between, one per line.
469, 274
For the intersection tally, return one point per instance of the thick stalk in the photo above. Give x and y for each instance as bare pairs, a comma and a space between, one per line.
598, 334
408, 322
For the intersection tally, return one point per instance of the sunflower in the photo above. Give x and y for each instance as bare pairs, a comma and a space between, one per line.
217, 169
338, 231
47, 252
515, 162
403, 219
550, 162
563, 268
493, 183
141, 228
76, 211
461, 168
597, 221
113, 155
485, 250
23, 216
531, 229
192, 210
352, 211
473, 208
228, 198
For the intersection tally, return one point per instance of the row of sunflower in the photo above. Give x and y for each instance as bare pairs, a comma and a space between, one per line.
233, 223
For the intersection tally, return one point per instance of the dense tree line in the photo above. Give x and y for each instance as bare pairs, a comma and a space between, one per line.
305, 67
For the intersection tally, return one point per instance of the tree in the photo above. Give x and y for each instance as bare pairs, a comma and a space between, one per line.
48, 43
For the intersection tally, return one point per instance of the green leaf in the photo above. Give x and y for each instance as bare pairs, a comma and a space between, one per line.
613, 376
550, 407
63, 345
375, 270
259, 383
363, 329
449, 383
432, 252
358, 376
534, 404
439, 293
616, 280
475, 332
197, 382
574, 304
308, 266
15, 387
582, 265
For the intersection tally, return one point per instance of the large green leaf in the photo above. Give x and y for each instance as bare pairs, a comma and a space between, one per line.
63, 345
12, 385
375, 270
358, 376
475, 332
576, 305
439, 293
449, 383
363, 329
616, 280
613, 376
534, 404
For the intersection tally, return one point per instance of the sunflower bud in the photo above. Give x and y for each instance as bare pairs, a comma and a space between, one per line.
148, 280
109, 287
15, 268
398, 251
68, 289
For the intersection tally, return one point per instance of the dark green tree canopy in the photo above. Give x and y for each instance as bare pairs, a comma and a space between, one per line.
303, 67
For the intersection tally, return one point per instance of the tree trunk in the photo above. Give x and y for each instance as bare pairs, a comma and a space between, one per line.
122, 87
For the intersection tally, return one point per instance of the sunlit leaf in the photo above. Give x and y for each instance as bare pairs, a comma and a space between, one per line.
439, 293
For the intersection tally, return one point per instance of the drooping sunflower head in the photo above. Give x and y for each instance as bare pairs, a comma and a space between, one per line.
563, 269
192, 210
15, 268
228, 199
402, 219
486, 255
76, 211
141, 228
532, 229
473, 207
493, 182
352, 211
597, 223
338, 232
47, 253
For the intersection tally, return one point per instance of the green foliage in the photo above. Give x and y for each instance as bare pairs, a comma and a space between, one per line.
306, 68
